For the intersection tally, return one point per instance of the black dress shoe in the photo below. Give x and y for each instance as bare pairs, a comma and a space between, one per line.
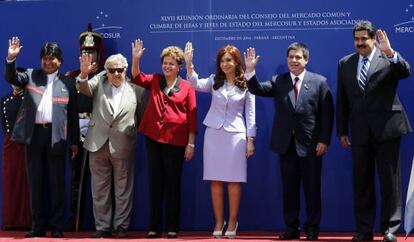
121, 233
32, 234
363, 237
290, 235
56, 234
102, 234
312, 236
153, 235
389, 237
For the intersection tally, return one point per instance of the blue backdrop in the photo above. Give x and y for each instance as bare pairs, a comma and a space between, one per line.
269, 26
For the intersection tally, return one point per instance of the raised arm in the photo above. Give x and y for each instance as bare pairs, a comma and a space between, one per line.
384, 44
188, 57
19, 79
137, 52
201, 85
14, 48
85, 86
255, 87
250, 59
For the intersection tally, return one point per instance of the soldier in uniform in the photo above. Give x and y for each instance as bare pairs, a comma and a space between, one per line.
16, 207
90, 43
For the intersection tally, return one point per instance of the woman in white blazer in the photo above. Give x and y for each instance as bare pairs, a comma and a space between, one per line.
231, 127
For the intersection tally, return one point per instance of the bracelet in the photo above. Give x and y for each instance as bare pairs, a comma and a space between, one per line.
191, 145
250, 138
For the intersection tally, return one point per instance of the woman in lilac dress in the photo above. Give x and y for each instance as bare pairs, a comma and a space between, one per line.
231, 127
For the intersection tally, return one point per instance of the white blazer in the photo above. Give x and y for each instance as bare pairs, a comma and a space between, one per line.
234, 109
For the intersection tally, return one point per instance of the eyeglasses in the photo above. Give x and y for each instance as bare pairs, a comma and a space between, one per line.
113, 70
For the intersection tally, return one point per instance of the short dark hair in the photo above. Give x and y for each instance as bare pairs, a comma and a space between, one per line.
51, 49
365, 25
298, 46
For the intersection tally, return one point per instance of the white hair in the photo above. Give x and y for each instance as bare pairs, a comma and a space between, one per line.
117, 58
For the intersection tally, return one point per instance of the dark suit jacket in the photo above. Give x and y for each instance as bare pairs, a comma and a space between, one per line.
310, 120
378, 110
64, 115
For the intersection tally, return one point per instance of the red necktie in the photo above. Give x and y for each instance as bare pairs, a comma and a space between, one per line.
296, 87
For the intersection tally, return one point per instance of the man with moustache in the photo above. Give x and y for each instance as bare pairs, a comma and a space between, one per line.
47, 118
368, 103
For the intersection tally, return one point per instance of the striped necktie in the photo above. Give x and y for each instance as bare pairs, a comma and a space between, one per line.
362, 78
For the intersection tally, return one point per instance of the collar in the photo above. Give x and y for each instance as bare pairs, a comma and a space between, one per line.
370, 56
176, 87
52, 77
120, 86
301, 75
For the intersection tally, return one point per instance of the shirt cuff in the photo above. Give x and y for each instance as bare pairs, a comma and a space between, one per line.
394, 58
249, 75
80, 80
10, 61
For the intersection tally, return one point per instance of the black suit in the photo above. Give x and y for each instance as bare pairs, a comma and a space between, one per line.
377, 120
297, 128
46, 146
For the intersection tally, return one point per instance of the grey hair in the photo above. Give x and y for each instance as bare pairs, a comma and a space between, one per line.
117, 58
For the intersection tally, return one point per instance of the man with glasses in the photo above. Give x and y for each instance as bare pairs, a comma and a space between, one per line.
111, 139
368, 103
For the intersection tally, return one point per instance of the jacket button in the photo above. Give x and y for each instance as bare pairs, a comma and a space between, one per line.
161, 122
110, 126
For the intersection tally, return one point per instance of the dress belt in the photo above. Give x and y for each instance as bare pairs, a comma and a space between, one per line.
44, 125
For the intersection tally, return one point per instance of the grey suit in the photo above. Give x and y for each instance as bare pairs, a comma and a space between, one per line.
111, 139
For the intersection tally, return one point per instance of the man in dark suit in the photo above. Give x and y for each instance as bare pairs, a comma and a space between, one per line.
301, 134
46, 119
368, 103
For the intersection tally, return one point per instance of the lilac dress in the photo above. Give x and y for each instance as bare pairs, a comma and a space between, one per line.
230, 119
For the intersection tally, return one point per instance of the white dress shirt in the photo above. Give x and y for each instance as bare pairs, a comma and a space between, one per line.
117, 96
301, 76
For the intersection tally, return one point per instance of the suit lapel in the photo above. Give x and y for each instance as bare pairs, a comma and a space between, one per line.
107, 88
376, 59
56, 87
291, 92
352, 71
223, 91
125, 99
303, 92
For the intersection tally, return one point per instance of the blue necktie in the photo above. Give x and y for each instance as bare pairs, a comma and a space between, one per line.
362, 78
